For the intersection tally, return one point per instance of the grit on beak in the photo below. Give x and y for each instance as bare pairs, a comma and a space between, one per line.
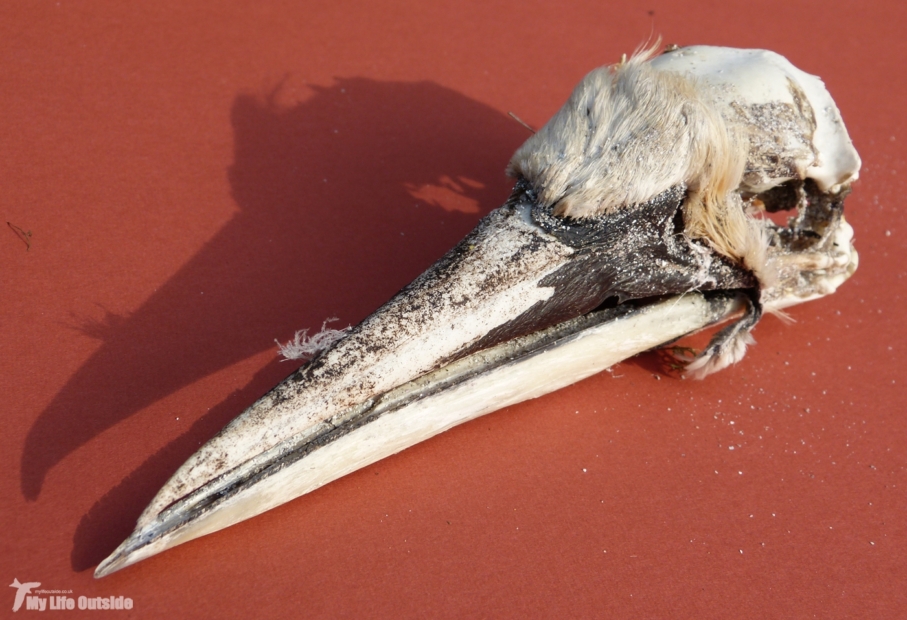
476, 332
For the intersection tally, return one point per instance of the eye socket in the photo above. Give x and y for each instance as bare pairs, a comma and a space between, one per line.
801, 213
782, 197
778, 204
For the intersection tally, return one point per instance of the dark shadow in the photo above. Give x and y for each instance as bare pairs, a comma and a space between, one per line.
654, 362
324, 189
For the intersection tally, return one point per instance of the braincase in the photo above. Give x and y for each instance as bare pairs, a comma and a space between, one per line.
791, 124
624, 136
712, 119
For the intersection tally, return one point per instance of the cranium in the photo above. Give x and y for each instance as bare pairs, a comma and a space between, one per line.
635, 219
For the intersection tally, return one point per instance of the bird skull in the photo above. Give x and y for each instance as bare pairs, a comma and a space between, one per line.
635, 220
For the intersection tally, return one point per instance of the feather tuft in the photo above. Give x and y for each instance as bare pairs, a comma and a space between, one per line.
712, 360
303, 347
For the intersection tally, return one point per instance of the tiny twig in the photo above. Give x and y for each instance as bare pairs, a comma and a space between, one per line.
676, 358
521, 121
25, 235
687, 351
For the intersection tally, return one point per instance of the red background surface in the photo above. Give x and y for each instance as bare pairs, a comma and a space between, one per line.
200, 180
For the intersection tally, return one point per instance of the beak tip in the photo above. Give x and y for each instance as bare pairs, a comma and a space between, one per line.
129, 552
110, 565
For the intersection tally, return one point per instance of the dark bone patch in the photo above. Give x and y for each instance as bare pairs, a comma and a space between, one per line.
636, 253
780, 139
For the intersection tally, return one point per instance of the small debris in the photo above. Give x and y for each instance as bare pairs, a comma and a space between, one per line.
25, 235
521, 121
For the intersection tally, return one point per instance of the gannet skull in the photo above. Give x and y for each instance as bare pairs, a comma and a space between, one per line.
635, 220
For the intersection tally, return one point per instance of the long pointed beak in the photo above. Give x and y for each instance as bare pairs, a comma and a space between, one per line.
491, 324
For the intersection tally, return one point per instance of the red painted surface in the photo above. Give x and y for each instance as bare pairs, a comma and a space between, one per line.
199, 180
